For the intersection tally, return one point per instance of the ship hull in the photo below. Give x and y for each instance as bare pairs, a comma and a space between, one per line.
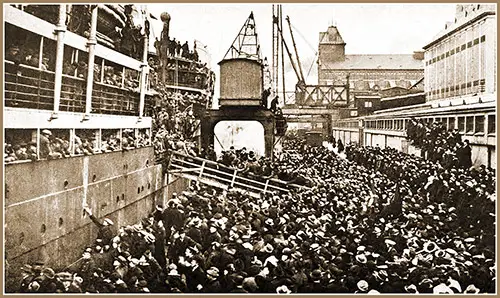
44, 199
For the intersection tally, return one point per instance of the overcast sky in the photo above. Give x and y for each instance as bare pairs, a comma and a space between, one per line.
366, 28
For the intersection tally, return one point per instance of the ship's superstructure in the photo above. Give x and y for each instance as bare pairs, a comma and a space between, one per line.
80, 91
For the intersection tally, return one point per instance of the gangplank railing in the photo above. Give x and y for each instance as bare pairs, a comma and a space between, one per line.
221, 176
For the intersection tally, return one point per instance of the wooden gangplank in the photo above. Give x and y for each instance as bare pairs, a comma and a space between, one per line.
224, 177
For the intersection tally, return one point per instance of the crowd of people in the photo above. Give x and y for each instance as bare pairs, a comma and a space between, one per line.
55, 145
378, 221
196, 75
176, 49
248, 163
439, 144
174, 123
19, 54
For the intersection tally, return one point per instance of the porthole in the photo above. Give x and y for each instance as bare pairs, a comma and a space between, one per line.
66, 183
61, 221
43, 229
117, 198
94, 178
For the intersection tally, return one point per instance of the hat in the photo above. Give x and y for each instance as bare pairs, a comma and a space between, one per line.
49, 273
173, 273
283, 290
440, 253
35, 286
411, 289
453, 284
273, 260
269, 221
430, 246
46, 132
247, 245
213, 272
442, 289
238, 279
250, 285
78, 279
315, 246
172, 266
268, 248
361, 258
373, 292
64, 276
471, 289
362, 285
316, 274
389, 242
231, 251
469, 240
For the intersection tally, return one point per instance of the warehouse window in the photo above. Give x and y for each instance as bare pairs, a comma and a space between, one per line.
479, 125
451, 123
491, 124
469, 124
368, 104
461, 124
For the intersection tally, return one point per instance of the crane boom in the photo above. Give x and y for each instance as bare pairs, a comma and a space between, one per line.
295, 48
290, 56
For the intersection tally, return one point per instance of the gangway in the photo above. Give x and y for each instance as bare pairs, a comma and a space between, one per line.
218, 175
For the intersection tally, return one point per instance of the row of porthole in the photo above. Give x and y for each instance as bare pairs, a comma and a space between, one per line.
94, 177
141, 188
43, 228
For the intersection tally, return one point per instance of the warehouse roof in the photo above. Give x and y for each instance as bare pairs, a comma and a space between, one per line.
384, 61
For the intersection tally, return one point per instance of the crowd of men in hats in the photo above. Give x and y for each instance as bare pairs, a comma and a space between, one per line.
196, 75
379, 221
174, 124
439, 144
248, 162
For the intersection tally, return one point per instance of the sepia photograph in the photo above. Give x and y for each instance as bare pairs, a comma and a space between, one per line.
231, 148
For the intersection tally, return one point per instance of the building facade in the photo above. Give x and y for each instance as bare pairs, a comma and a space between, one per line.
366, 73
461, 59
459, 90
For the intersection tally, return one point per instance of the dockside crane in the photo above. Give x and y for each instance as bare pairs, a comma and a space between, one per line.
312, 103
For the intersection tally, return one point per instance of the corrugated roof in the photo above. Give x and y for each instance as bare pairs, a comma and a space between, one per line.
398, 61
